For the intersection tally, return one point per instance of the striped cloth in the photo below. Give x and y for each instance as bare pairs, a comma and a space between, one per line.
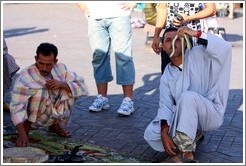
9, 67
31, 100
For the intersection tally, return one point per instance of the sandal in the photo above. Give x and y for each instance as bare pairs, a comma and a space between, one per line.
179, 158
55, 128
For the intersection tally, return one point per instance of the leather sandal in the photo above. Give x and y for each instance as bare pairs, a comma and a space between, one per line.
181, 157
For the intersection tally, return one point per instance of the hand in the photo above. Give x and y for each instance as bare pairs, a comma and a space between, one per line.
128, 6
155, 45
53, 84
179, 23
168, 144
185, 30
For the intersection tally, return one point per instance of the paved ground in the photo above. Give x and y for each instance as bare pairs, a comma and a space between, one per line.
25, 26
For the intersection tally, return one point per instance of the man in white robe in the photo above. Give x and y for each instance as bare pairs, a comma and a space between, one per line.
193, 93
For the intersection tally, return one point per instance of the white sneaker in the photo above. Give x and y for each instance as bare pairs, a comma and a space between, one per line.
126, 107
101, 103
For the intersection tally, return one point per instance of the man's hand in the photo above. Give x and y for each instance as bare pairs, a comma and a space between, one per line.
155, 45
167, 142
54, 84
180, 22
185, 30
128, 6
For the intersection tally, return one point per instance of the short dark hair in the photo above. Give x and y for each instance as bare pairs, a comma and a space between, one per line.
174, 29
47, 49
168, 30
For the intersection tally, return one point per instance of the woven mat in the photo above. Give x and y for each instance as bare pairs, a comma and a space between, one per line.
56, 146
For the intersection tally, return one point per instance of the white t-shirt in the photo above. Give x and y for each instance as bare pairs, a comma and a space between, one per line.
98, 10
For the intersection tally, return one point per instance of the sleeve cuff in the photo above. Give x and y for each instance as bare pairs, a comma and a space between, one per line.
204, 36
203, 39
164, 122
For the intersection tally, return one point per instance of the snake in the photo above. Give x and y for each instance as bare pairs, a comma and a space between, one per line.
184, 39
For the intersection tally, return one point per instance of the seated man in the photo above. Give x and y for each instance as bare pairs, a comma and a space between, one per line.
43, 94
193, 94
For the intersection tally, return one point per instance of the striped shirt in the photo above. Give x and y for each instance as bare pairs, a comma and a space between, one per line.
33, 101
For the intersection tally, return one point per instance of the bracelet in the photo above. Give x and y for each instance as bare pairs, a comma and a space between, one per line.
199, 34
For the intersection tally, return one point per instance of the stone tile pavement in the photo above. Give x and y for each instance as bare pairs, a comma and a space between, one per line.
25, 26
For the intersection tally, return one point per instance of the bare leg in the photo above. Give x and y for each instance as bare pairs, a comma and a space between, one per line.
23, 129
231, 8
102, 89
128, 91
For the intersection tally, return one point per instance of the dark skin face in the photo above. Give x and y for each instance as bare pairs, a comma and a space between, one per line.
176, 59
167, 43
45, 63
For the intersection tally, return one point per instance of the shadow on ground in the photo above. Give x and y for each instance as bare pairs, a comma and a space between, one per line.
125, 134
22, 31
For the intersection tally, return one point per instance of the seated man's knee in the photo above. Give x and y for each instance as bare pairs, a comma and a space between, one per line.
188, 96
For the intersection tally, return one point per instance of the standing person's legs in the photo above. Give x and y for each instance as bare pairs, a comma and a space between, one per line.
121, 35
102, 89
100, 44
231, 10
128, 91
